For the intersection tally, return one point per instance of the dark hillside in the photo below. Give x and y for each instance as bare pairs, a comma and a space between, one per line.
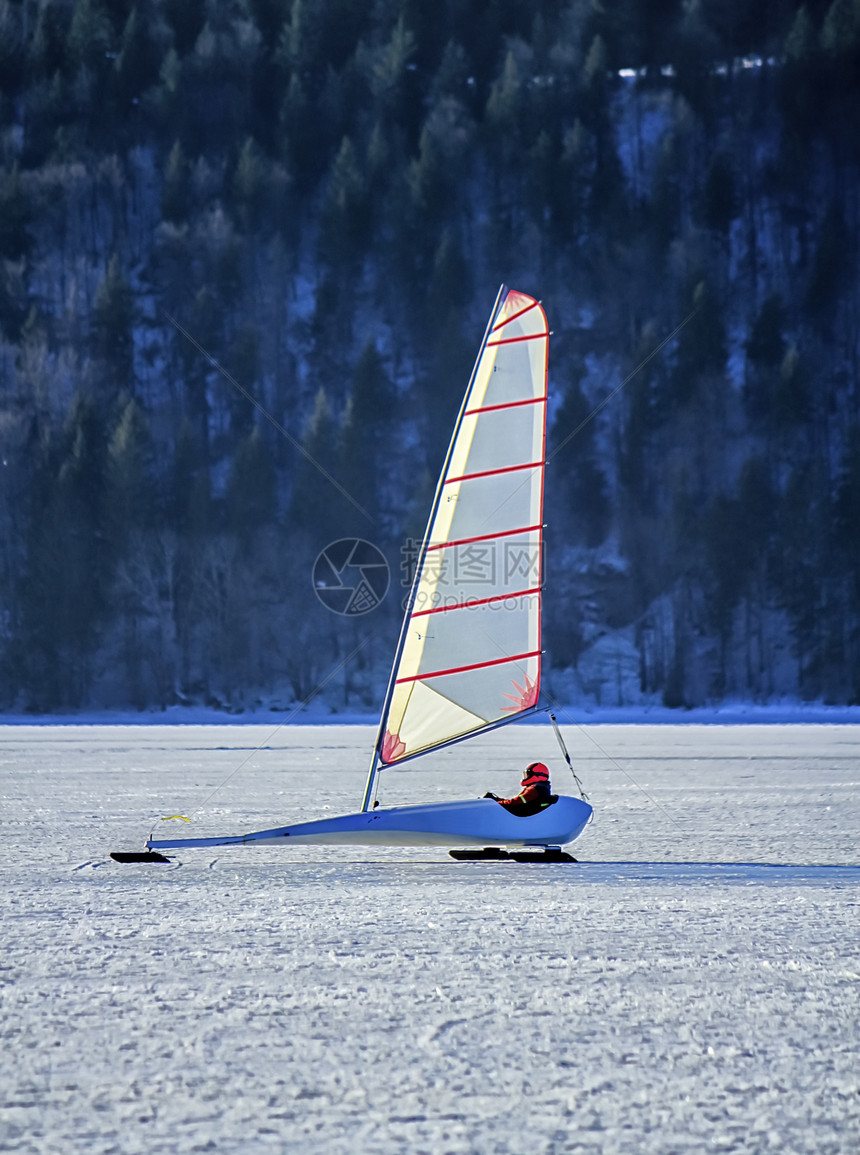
312, 203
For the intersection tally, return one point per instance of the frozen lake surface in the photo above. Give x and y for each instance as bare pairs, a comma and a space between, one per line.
692, 985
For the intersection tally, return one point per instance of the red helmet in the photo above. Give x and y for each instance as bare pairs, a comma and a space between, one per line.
536, 772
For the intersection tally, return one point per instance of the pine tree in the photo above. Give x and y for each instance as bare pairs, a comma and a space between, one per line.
387, 70
428, 186
579, 482
63, 589
452, 74
665, 204
130, 497
736, 538
373, 396
90, 37
130, 505
204, 325
315, 506
251, 497
802, 82
450, 287
189, 492
245, 368
113, 323
719, 202
249, 184
366, 449
793, 400
840, 32
766, 344
176, 190
796, 573
47, 48
299, 135
186, 19
137, 62
15, 217
846, 547
358, 467
504, 108
346, 213
765, 351
829, 269
701, 344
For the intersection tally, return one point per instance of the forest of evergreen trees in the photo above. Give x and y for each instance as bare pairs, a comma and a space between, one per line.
313, 202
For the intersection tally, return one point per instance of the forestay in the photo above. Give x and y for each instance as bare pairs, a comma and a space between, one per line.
469, 653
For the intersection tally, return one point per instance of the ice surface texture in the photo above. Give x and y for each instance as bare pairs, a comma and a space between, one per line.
396, 1001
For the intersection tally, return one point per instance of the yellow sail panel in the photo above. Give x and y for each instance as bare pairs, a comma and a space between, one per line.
429, 714
470, 648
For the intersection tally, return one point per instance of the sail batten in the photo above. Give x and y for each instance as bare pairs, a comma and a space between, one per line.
494, 472
483, 537
515, 340
466, 669
507, 405
461, 673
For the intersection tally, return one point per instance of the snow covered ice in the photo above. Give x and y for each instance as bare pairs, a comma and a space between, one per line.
691, 986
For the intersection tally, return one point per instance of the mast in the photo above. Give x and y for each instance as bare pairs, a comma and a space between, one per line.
371, 781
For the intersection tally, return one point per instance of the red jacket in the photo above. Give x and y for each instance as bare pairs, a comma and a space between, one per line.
535, 793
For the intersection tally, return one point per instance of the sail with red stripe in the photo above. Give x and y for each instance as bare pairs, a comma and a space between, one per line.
469, 654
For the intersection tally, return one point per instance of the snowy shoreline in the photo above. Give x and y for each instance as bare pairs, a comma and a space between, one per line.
730, 714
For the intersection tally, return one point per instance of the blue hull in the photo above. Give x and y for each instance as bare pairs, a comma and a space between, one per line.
476, 822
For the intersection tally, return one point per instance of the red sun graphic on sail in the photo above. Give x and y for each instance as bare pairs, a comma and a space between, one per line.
525, 698
392, 747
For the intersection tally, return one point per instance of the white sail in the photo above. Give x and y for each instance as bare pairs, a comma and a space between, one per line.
470, 651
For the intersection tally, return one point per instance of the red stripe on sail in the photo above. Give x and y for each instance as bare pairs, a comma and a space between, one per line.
476, 602
505, 405
513, 340
514, 316
495, 472
483, 537
465, 669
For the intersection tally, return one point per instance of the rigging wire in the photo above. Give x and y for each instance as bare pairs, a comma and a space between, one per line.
566, 756
616, 764
274, 421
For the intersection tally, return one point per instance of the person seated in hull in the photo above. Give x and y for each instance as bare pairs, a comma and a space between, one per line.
535, 793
